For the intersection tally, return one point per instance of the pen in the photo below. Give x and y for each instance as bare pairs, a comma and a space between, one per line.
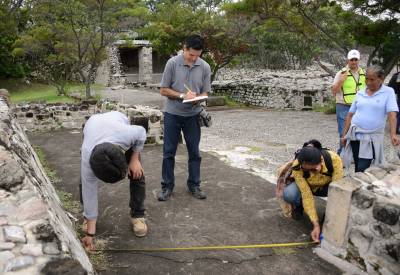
187, 88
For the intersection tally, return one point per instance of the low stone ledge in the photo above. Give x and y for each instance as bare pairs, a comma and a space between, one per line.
362, 223
47, 117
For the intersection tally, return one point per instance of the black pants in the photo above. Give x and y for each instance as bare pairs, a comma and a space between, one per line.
137, 189
360, 164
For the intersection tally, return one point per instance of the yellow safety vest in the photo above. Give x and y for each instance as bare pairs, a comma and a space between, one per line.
351, 86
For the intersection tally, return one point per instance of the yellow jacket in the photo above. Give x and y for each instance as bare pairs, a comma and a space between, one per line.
316, 181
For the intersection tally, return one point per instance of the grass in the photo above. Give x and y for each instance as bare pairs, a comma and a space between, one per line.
38, 92
68, 203
234, 104
329, 108
51, 173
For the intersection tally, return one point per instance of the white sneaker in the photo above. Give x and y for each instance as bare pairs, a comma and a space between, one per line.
139, 227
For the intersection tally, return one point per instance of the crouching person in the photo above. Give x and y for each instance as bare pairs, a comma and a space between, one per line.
308, 175
111, 150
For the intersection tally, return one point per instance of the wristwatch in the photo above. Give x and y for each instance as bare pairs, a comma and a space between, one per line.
181, 96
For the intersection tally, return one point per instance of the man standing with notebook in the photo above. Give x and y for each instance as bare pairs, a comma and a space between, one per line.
185, 77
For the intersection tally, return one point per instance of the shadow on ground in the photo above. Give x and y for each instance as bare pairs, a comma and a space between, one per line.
240, 209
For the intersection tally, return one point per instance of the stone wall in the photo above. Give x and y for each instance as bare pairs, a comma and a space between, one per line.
46, 117
36, 235
274, 89
362, 220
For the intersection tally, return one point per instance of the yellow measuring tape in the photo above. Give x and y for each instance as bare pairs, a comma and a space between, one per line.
273, 245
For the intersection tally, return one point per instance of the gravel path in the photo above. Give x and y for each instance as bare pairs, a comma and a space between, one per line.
260, 140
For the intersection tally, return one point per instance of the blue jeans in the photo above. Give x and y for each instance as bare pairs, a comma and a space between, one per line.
173, 125
341, 113
360, 164
292, 194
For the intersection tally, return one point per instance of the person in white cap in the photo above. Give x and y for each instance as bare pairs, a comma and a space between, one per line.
348, 81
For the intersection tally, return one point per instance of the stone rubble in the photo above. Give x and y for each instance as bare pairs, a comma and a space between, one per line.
274, 89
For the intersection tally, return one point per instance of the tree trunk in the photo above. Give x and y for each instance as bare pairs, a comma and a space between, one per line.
87, 88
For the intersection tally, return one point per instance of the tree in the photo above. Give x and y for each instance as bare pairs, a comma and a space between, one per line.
70, 37
13, 18
172, 21
381, 32
325, 24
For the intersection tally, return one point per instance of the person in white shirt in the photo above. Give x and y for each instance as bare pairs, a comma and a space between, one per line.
110, 150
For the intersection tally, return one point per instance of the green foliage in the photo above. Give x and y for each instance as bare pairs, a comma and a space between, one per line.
67, 39
51, 173
328, 108
42, 93
172, 21
13, 19
382, 33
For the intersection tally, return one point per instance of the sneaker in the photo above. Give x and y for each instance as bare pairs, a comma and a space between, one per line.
165, 194
297, 213
197, 193
139, 227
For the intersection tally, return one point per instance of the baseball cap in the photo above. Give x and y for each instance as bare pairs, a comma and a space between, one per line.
353, 54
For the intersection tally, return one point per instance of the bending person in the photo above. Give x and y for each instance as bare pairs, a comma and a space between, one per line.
363, 132
110, 150
309, 175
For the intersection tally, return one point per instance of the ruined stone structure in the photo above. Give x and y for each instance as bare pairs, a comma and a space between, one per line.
36, 235
46, 117
131, 62
362, 223
281, 90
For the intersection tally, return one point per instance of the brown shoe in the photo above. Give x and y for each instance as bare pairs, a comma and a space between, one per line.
139, 227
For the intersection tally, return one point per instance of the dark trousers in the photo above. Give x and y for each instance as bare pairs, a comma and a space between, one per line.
173, 125
360, 164
137, 189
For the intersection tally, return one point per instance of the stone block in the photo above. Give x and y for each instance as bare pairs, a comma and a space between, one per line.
14, 233
11, 174
32, 249
387, 213
360, 241
7, 246
216, 101
377, 172
363, 199
32, 209
338, 210
359, 218
381, 230
19, 263
51, 249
